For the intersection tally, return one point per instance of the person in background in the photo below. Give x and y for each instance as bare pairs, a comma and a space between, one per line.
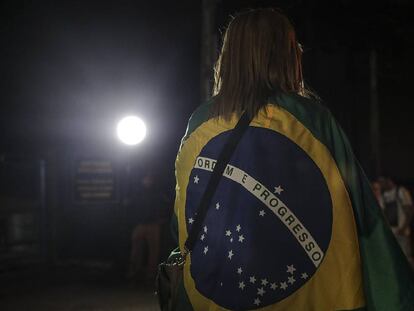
397, 208
376, 188
147, 211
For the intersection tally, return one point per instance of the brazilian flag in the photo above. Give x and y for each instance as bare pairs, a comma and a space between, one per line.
293, 224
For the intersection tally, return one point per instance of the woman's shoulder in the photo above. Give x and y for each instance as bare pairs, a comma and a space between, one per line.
301, 107
318, 119
311, 112
200, 115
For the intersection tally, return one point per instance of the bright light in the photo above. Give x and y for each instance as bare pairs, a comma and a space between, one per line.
131, 130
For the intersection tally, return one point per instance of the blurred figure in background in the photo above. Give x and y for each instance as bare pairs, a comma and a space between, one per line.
397, 207
376, 188
148, 212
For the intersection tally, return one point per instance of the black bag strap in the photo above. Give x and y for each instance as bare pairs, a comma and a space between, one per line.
218, 170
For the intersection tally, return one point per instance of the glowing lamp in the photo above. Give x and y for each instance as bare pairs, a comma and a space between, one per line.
131, 130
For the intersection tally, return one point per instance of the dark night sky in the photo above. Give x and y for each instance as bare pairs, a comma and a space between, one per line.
70, 69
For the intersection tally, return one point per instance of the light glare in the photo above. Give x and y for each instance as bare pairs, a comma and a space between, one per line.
131, 130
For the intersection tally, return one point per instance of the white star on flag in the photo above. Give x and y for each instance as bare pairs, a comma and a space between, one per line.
291, 280
291, 269
241, 238
261, 291
205, 250
205, 229
202, 237
283, 285
264, 282
278, 190
241, 285
217, 205
231, 240
196, 179
230, 254
238, 228
252, 279
239, 270
262, 213
228, 233
304, 276
273, 286
257, 301
190, 221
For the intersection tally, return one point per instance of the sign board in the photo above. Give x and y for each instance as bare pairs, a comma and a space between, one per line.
94, 181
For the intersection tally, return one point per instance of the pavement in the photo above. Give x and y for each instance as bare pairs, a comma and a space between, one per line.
72, 289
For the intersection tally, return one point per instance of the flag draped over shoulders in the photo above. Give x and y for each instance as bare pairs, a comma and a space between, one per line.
293, 224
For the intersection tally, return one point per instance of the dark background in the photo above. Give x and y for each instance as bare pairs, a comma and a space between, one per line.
71, 69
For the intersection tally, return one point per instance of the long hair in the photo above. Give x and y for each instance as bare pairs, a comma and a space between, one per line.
259, 57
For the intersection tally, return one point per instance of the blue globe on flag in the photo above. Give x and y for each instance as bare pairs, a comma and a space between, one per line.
269, 223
